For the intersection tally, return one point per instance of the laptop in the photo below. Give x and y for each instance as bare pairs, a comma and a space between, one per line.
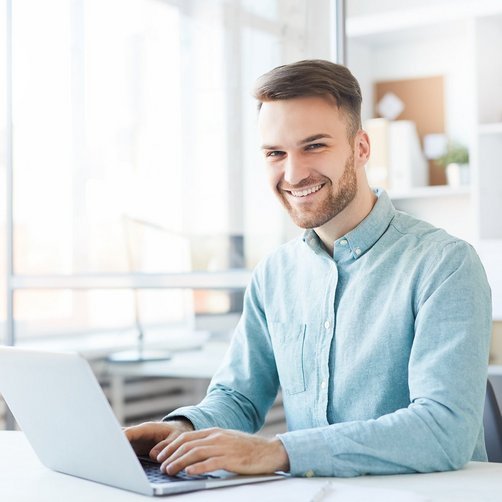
61, 408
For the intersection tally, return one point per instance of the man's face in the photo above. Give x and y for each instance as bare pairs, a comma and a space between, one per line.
309, 158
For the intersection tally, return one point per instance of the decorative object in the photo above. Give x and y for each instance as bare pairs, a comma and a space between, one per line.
435, 145
390, 106
407, 164
423, 102
456, 163
397, 161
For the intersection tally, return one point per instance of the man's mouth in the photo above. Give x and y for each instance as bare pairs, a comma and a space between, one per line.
306, 191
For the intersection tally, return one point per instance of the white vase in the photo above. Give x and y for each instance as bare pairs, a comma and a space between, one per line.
457, 174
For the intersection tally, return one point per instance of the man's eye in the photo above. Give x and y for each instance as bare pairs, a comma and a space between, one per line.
274, 153
314, 146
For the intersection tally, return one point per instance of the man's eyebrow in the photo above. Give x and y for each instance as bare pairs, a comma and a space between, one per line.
314, 137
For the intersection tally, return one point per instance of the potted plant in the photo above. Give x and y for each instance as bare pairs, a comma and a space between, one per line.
456, 163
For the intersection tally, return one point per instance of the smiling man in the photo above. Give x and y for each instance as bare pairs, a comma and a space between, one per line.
375, 325
316, 176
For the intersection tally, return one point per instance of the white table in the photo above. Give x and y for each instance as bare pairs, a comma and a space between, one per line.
198, 364
194, 363
24, 479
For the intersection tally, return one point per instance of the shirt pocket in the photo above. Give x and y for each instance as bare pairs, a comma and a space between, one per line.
288, 342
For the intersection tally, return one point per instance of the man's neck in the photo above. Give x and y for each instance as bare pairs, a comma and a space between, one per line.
348, 219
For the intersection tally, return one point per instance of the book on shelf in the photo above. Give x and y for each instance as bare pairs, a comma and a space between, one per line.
396, 161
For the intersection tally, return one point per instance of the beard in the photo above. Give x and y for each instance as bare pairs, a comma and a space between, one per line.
334, 202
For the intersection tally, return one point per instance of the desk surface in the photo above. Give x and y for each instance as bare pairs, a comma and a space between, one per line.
195, 363
24, 478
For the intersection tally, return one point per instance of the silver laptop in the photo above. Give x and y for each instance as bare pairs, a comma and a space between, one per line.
63, 412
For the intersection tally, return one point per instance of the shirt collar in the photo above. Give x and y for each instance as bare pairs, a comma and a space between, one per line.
366, 234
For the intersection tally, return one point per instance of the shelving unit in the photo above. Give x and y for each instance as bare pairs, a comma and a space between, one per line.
459, 40
489, 103
494, 128
437, 191
489, 152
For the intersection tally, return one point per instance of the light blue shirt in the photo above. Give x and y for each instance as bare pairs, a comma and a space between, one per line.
381, 351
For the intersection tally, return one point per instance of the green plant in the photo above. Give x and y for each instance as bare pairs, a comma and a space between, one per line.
456, 154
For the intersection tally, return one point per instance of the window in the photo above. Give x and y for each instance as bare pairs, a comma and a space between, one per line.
135, 150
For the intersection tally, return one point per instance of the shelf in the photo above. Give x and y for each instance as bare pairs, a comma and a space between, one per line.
495, 370
430, 192
419, 17
494, 128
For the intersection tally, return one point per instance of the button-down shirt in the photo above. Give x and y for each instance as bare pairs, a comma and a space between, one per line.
381, 350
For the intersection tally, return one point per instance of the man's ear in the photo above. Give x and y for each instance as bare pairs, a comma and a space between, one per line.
362, 148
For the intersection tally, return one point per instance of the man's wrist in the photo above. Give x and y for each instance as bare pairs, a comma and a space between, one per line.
182, 420
280, 454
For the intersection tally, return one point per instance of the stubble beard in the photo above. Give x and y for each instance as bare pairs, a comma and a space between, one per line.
332, 205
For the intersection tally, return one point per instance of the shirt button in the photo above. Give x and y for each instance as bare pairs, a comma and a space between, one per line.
327, 324
323, 384
357, 251
310, 474
343, 242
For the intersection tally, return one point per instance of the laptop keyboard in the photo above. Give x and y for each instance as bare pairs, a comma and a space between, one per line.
155, 475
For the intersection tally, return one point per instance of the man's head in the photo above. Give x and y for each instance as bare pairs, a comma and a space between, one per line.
314, 148
314, 77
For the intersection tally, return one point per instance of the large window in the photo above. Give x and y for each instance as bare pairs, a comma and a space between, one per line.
134, 149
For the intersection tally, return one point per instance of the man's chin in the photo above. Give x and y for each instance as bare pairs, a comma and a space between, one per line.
307, 222
306, 219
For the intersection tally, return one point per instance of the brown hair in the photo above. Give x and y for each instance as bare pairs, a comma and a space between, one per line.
313, 77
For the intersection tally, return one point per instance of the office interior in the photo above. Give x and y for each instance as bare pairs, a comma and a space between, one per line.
135, 200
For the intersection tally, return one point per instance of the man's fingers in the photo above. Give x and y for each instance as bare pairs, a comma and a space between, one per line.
130, 432
140, 441
211, 464
154, 452
190, 455
176, 443
149, 435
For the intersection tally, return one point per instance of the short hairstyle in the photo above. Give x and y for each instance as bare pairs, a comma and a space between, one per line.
314, 77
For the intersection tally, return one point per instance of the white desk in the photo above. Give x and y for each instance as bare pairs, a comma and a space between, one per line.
24, 478
194, 363
199, 364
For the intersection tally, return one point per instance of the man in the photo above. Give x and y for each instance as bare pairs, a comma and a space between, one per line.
376, 325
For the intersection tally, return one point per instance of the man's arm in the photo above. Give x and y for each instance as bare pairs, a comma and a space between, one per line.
246, 384
238, 398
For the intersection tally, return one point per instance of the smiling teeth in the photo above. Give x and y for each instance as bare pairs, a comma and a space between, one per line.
307, 191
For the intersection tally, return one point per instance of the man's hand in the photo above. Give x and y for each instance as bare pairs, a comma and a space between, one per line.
210, 449
150, 438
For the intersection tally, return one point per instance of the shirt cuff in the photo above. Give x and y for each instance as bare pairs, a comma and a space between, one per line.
307, 452
191, 413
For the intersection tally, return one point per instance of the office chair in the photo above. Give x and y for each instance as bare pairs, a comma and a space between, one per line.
492, 421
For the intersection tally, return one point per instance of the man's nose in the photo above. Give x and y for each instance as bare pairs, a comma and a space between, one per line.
295, 170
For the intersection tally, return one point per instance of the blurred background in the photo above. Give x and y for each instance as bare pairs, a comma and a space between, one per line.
134, 196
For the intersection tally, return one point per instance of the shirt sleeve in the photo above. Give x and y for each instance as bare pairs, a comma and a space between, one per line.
246, 384
440, 428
